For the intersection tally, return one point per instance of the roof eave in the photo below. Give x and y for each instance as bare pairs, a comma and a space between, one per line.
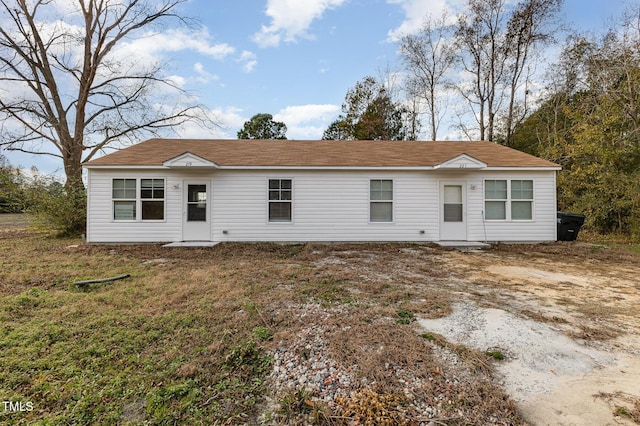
275, 167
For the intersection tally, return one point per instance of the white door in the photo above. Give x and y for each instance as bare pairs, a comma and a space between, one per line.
453, 212
196, 211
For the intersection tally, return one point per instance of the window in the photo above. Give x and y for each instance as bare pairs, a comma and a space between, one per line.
521, 199
197, 203
453, 203
495, 195
124, 199
513, 199
152, 199
381, 200
280, 196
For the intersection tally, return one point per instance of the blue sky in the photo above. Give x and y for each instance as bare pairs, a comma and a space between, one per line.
295, 59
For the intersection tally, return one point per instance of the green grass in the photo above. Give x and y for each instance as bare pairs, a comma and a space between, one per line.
404, 316
149, 347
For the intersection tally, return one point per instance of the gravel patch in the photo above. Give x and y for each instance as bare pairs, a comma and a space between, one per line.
306, 364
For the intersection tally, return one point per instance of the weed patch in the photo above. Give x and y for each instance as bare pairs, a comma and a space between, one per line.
404, 316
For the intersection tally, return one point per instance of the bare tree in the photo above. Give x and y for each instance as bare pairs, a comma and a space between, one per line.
527, 28
68, 92
428, 56
480, 41
496, 45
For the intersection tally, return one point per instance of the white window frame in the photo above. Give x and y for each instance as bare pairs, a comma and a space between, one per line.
152, 199
269, 201
115, 200
520, 200
138, 200
391, 201
509, 200
502, 200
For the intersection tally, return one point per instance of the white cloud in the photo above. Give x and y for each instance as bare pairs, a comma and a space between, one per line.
176, 40
417, 10
290, 20
229, 120
307, 121
203, 75
249, 61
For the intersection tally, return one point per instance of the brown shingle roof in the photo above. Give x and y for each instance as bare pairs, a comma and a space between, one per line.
232, 152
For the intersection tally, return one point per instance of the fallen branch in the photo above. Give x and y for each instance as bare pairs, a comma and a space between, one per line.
104, 280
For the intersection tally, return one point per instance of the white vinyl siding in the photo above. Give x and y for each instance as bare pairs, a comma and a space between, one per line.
542, 226
101, 225
329, 205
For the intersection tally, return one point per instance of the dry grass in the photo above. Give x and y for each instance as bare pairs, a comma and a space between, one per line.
623, 405
187, 338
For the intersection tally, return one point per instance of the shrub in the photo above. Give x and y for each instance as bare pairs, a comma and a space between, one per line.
57, 207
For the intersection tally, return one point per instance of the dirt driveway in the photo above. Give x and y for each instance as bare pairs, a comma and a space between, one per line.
566, 317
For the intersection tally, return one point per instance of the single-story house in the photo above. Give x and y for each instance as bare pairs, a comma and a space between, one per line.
180, 190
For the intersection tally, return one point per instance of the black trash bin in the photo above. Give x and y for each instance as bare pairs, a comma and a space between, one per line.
569, 225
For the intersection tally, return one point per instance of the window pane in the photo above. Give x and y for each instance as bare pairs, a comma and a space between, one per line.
453, 212
381, 190
152, 188
381, 212
453, 194
118, 193
386, 194
521, 210
280, 189
495, 189
495, 210
197, 212
124, 188
522, 189
152, 210
124, 210
274, 184
279, 212
197, 194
